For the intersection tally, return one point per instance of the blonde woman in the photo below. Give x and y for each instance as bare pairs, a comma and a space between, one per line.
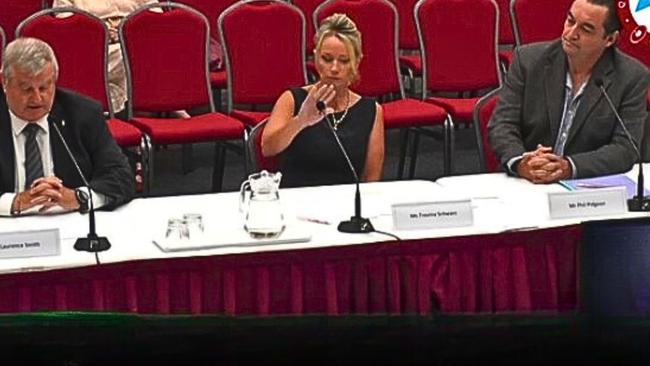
297, 130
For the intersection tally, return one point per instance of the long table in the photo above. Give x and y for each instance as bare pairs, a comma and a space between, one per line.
512, 259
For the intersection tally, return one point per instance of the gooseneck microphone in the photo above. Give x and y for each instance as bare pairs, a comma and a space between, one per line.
356, 224
639, 202
91, 243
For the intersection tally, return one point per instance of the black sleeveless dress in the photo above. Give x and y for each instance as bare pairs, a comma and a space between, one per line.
314, 158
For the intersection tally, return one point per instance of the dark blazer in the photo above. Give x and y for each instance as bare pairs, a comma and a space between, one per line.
85, 130
532, 99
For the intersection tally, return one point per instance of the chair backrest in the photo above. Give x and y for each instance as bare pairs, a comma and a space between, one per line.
506, 33
482, 113
377, 20
12, 12
80, 43
458, 44
308, 7
166, 58
211, 9
254, 146
538, 20
264, 49
408, 33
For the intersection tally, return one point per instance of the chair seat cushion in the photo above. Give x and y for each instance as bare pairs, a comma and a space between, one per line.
412, 113
460, 109
206, 127
125, 134
219, 79
413, 62
249, 118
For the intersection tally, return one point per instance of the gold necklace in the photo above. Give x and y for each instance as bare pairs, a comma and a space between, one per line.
337, 122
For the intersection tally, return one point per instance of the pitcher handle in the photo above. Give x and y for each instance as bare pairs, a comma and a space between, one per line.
242, 194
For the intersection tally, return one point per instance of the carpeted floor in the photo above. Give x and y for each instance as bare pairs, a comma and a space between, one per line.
170, 180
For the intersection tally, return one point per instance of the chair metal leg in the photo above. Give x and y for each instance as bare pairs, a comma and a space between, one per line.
403, 146
188, 165
151, 161
413, 86
414, 154
218, 168
147, 163
248, 155
448, 147
217, 99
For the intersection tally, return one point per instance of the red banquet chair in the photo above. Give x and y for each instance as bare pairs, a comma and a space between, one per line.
257, 160
538, 20
506, 33
212, 9
459, 57
261, 61
308, 7
80, 42
630, 43
410, 59
482, 114
165, 53
378, 20
12, 12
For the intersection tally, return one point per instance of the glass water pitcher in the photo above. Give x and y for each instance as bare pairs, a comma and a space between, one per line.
260, 203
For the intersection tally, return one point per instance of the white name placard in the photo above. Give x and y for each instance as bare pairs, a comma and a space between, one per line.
32, 243
585, 203
431, 215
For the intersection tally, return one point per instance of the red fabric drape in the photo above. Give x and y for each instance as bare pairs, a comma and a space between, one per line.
511, 272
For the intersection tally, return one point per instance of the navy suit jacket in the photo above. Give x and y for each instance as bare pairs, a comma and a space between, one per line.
85, 130
532, 99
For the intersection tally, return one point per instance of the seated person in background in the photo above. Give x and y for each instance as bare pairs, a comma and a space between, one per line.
552, 121
112, 12
297, 130
36, 172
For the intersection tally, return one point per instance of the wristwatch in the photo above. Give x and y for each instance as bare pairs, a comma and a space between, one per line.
83, 199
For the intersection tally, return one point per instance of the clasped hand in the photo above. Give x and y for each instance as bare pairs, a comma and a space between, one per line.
47, 192
542, 166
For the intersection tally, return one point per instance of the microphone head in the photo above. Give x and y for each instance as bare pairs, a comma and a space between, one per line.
598, 82
53, 118
320, 105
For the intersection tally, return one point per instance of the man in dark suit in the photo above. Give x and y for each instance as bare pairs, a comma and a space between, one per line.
552, 121
36, 173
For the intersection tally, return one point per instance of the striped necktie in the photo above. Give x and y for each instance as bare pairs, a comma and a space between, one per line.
33, 163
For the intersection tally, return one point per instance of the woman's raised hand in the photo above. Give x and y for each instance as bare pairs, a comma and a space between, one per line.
309, 112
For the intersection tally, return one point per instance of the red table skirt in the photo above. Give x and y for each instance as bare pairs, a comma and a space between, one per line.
512, 272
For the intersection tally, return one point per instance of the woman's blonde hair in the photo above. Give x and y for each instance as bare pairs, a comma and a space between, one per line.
343, 28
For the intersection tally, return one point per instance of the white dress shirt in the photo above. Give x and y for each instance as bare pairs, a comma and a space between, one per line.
43, 141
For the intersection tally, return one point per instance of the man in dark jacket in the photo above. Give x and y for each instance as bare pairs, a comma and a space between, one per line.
552, 121
37, 174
